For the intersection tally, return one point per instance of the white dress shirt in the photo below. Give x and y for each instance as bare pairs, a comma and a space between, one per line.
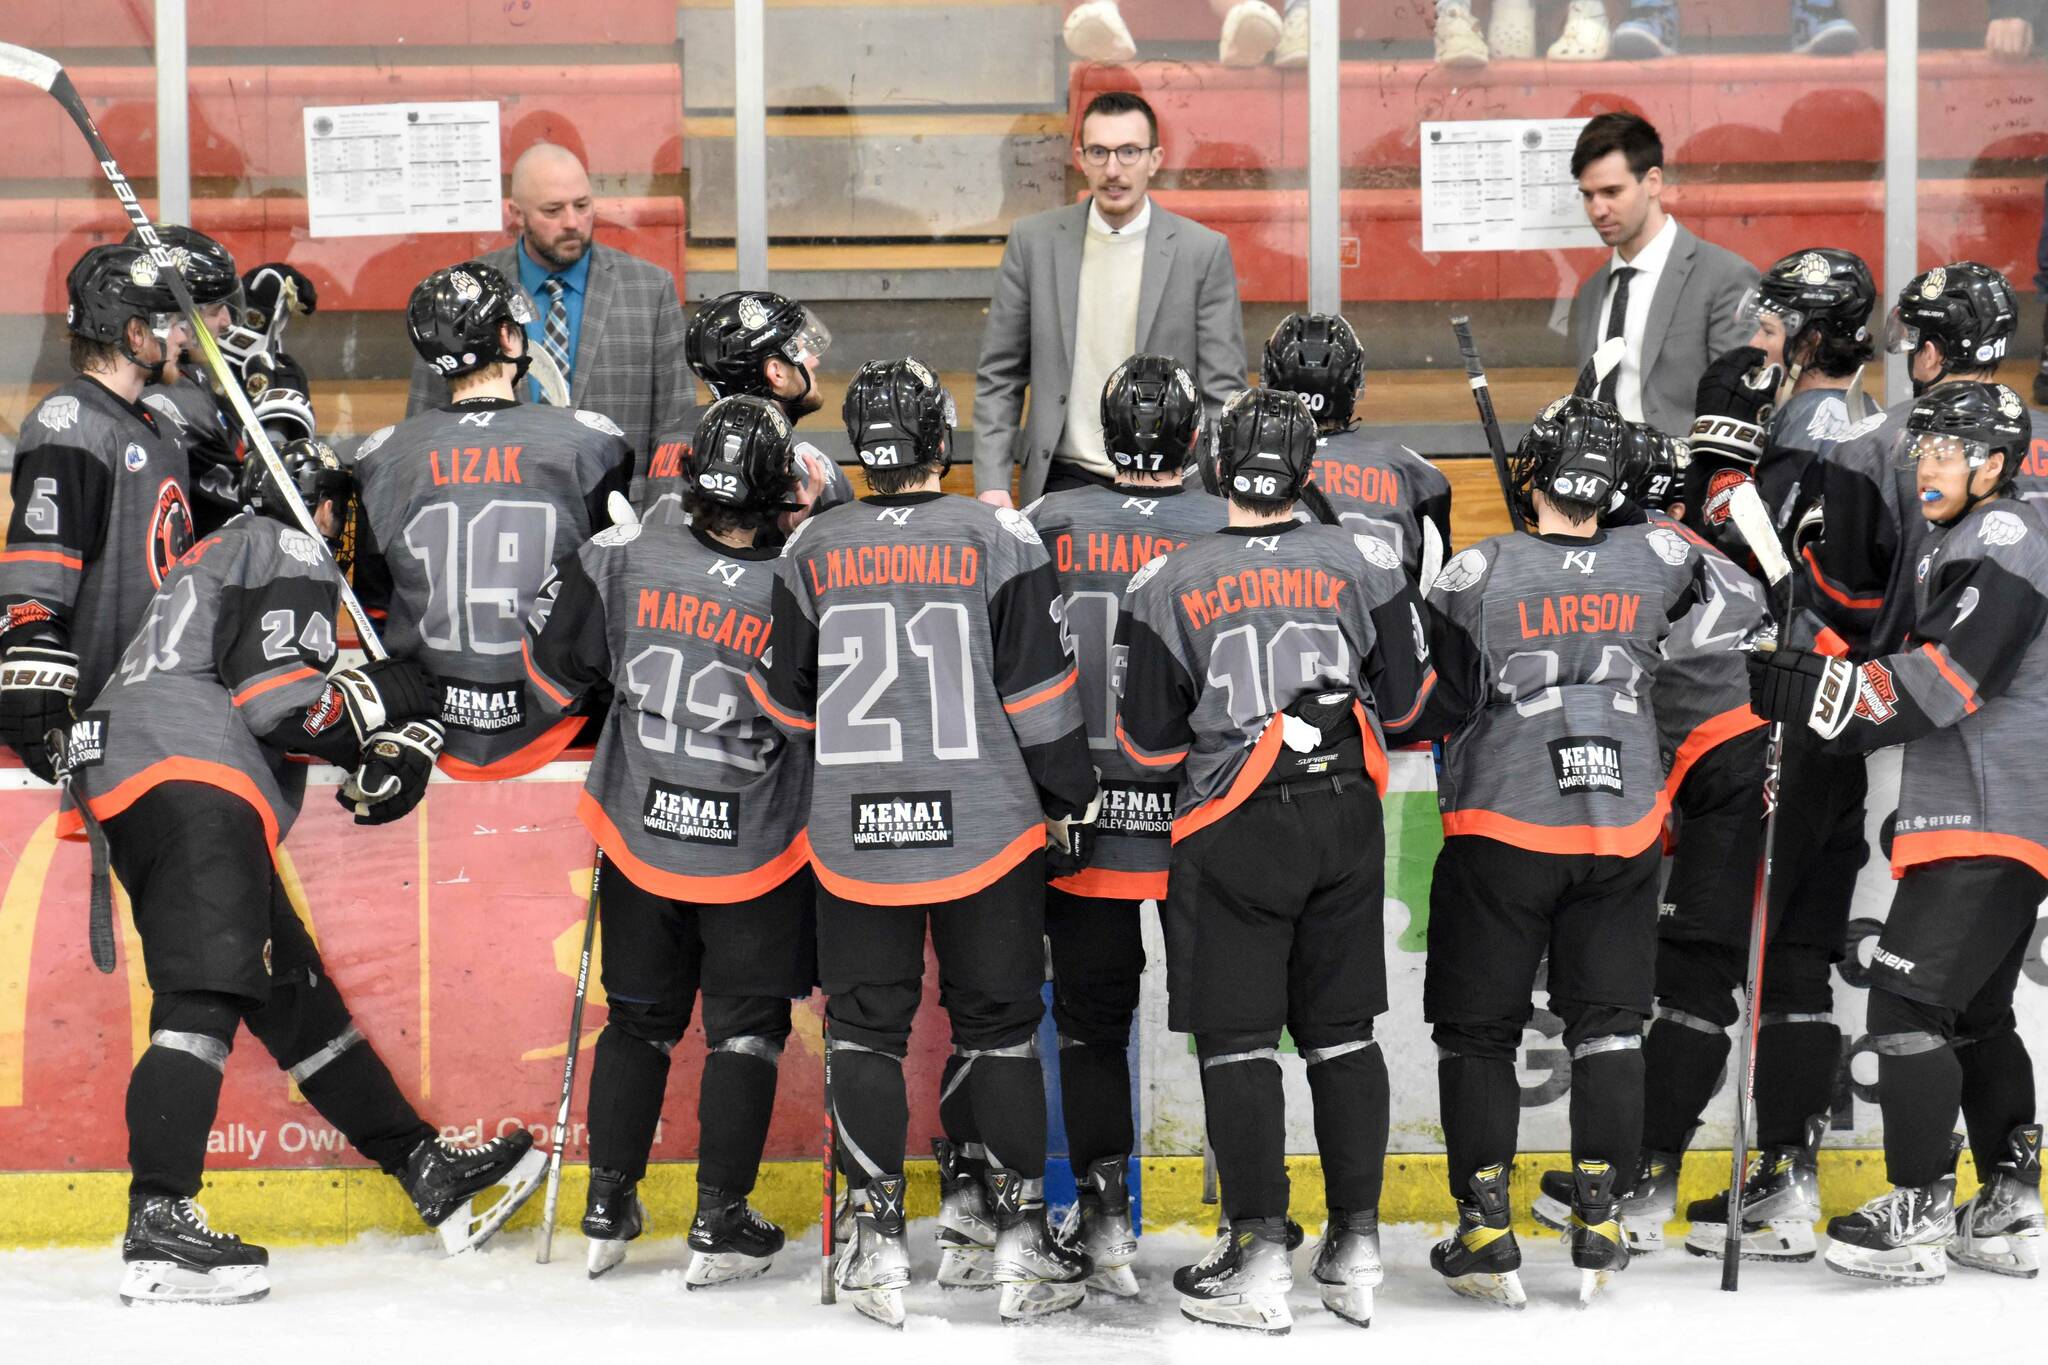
1642, 288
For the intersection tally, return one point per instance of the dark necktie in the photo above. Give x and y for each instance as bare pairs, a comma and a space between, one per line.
555, 330
1617, 322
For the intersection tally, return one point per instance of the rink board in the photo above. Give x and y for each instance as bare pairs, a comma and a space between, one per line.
454, 935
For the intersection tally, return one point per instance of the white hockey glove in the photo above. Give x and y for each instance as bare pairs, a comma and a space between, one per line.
385, 693
392, 774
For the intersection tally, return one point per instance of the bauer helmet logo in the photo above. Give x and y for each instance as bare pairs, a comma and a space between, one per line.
753, 314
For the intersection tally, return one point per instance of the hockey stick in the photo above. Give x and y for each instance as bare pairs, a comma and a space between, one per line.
554, 1192
99, 924
828, 1288
1753, 523
49, 76
1482, 398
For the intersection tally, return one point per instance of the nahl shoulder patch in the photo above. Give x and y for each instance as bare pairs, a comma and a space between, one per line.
597, 421
611, 537
2001, 528
1465, 568
1146, 574
1376, 551
1018, 525
1669, 545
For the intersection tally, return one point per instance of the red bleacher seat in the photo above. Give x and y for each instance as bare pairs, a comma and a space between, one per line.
48, 24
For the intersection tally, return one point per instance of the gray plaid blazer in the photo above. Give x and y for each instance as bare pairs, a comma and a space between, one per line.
629, 353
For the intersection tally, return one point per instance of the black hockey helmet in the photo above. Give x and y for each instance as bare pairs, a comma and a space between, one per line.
897, 414
1966, 309
315, 471
1970, 419
1573, 452
1151, 415
1262, 446
113, 283
454, 315
208, 269
1822, 289
1318, 356
741, 456
1653, 467
732, 336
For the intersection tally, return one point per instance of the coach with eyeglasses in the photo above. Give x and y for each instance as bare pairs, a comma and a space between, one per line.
1083, 288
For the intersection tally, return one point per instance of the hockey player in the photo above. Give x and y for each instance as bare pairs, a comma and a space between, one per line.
1812, 312
753, 342
917, 645
181, 758
1266, 664
467, 506
699, 807
1376, 485
100, 505
1553, 797
1098, 537
1967, 694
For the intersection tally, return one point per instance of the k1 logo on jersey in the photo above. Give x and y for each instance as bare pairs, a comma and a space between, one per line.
1586, 765
692, 815
1137, 810
903, 819
483, 708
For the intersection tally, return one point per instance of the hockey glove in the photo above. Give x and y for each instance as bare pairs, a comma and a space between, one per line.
284, 414
267, 370
265, 286
392, 774
1735, 400
38, 684
386, 693
1070, 842
1800, 687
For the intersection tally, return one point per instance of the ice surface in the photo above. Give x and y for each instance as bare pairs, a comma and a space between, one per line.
394, 1301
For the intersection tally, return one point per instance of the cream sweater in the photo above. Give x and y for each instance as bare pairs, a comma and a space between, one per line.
1106, 331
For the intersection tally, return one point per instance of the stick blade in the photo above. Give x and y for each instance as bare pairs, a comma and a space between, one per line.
26, 64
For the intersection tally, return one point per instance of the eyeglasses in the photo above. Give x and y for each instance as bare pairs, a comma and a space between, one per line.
1127, 155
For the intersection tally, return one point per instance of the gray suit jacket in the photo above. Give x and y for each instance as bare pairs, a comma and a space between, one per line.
1187, 309
1692, 320
629, 351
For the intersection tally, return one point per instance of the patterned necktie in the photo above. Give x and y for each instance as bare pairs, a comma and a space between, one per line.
1617, 322
556, 338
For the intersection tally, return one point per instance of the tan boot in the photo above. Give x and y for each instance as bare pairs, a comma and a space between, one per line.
1459, 43
1293, 48
1250, 31
1511, 32
1585, 37
1096, 32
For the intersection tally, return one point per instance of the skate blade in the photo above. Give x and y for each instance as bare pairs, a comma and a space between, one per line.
2015, 1255
1550, 1213
1643, 1237
604, 1255
1118, 1280
1023, 1300
882, 1305
966, 1267
1504, 1290
466, 1229
1351, 1302
1790, 1241
1271, 1316
1904, 1266
1591, 1282
708, 1268
156, 1282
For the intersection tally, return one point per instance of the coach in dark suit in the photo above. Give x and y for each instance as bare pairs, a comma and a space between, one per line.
610, 321
1672, 297
1084, 288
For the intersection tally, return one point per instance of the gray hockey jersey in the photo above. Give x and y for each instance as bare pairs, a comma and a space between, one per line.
226, 674
918, 646
1223, 636
466, 510
1967, 694
692, 794
1383, 487
1547, 654
661, 485
213, 445
1098, 538
100, 515
1702, 689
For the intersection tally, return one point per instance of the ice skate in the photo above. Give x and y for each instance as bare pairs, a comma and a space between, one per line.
1347, 1266
1898, 1238
612, 1216
874, 1270
1599, 1247
728, 1240
1780, 1205
171, 1256
1644, 1210
1038, 1274
967, 1236
1999, 1228
1099, 1226
1481, 1258
444, 1180
1243, 1281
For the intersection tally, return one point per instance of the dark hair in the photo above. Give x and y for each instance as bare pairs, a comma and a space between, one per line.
1630, 134
1840, 357
1262, 507
889, 482
89, 354
1119, 102
717, 518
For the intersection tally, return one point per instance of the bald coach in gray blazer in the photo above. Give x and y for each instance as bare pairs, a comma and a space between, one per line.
1046, 333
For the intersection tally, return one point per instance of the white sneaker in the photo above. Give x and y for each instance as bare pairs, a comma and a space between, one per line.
1096, 32
1459, 43
1511, 32
1585, 37
1250, 31
1293, 47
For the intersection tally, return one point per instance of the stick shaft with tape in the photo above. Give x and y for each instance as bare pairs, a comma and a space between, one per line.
561, 1130
1482, 398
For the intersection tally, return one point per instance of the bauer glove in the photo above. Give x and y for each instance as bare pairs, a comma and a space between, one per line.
267, 285
386, 693
38, 684
391, 776
1734, 401
1800, 687
1070, 842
